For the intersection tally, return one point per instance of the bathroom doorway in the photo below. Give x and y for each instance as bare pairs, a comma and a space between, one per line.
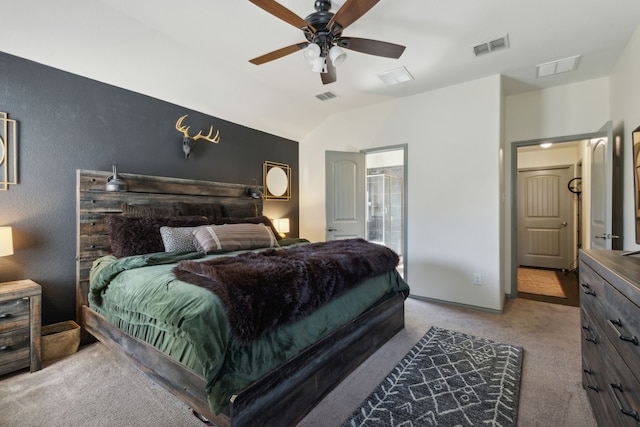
386, 188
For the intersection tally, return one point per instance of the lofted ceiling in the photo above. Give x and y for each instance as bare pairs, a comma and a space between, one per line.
195, 53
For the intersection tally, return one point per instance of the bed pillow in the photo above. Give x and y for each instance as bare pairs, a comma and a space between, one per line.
146, 210
240, 211
210, 210
233, 237
250, 220
131, 235
178, 239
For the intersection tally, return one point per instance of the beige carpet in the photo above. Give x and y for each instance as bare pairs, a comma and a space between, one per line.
93, 387
540, 282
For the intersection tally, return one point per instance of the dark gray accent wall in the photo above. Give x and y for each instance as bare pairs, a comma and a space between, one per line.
67, 122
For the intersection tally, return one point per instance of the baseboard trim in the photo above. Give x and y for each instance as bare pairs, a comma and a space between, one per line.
456, 304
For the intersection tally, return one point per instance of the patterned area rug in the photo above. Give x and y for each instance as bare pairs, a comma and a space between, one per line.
447, 379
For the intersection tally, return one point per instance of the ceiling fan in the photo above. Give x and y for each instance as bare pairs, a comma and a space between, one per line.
323, 31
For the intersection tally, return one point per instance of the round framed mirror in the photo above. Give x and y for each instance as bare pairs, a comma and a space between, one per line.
2, 151
277, 181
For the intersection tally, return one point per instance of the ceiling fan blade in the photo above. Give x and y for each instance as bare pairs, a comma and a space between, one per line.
279, 11
350, 12
372, 47
330, 76
277, 54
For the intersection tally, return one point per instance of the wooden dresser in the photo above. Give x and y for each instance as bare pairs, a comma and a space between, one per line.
20, 325
609, 300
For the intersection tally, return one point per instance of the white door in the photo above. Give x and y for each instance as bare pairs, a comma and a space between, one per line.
345, 195
601, 189
545, 218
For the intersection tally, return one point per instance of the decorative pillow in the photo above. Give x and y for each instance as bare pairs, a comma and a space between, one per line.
233, 237
210, 210
146, 210
250, 220
178, 239
241, 211
131, 235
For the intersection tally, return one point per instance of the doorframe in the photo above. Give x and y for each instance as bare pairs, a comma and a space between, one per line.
405, 189
514, 194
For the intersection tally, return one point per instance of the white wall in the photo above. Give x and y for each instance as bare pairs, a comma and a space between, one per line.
625, 111
557, 112
453, 136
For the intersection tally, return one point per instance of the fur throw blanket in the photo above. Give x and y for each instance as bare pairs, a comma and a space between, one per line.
262, 291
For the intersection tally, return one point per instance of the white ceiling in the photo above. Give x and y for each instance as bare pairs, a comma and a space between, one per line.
195, 53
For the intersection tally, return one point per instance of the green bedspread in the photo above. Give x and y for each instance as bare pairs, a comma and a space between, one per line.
141, 296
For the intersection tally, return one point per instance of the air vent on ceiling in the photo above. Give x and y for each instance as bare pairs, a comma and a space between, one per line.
395, 76
326, 96
492, 45
559, 66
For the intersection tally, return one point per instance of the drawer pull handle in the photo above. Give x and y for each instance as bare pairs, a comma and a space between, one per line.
5, 316
588, 290
632, 414
5, 348
593, 340
586, 328
592, 387
617, 322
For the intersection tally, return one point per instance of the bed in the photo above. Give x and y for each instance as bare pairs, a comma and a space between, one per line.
292, 364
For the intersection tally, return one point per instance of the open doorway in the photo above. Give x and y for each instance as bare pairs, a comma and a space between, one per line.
366, 197
549, 218
386, 187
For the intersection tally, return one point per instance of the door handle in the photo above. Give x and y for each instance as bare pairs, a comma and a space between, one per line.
563, 224
332, 229
606, 236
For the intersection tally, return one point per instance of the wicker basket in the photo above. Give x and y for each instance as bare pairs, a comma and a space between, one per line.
60, 340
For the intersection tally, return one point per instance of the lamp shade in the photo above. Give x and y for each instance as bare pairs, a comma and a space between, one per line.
337, 55
281, 225
319, 65
6, 241
311, 53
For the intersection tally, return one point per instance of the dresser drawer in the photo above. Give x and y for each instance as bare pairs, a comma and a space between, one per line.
14, 314
623, 327
592, 336
592, 292
623, 389
594, 371
14, 349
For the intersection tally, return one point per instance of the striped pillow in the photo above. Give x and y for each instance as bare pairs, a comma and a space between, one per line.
233, 237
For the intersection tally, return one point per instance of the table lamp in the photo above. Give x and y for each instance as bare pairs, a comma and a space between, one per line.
6, 241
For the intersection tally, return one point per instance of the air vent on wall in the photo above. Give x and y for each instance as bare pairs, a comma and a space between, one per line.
326, 96
492, 45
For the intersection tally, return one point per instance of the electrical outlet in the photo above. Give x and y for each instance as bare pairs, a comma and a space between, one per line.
477, 279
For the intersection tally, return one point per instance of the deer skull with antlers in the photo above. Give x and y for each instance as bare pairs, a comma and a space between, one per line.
188, 142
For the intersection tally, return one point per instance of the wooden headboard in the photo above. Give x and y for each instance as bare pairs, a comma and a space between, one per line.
94, 204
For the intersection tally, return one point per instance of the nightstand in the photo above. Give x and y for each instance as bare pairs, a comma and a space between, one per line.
20, 325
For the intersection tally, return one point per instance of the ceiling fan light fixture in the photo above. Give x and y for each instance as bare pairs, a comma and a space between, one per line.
320, 65
311, 53
337, 55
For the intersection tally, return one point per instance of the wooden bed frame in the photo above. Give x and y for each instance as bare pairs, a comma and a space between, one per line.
282, 397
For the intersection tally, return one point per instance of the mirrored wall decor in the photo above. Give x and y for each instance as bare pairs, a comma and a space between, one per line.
277, 181
8, 152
